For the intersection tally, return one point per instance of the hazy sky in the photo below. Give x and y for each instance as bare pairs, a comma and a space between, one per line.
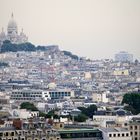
92, 28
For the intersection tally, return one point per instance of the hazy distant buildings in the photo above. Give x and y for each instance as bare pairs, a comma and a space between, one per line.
12, 33
123, 57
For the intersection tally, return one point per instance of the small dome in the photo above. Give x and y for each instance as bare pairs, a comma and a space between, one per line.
2, 35
51, 85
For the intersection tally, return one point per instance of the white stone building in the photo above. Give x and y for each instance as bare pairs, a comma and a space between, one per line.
23, 113
116, 134
12, 33
100, 97
30, 95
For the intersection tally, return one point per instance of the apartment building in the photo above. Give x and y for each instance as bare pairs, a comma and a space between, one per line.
39, 95
29, 130
134, 128
29, 95
116, 134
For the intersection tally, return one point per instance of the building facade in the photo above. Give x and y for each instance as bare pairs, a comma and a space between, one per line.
80, 134
12, 33
116, 134
29, 95
134, 128
123, 57
39, 95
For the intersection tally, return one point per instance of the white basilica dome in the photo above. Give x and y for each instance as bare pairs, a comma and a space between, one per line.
12, 23
12, 33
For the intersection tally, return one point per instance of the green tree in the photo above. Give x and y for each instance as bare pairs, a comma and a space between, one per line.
32, 107
53, 114
71, 55
50, 114
28, 106
80, 118
130, 109
7, 46
89, 111
133, 102
42, 114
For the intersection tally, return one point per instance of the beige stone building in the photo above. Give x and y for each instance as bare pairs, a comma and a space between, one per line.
134, 128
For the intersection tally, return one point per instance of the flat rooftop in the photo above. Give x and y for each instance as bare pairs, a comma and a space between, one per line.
116, 129
77, 130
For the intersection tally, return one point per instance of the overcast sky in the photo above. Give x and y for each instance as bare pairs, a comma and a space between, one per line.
93, 28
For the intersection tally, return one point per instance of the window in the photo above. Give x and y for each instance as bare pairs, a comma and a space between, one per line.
110, 135
68, 93
136, 138
136, 133
1, 134
136, 127
114, 135
12, 134
122, 134
127, 134
6, 134
125, 124
131, 133
118, 135
131, 127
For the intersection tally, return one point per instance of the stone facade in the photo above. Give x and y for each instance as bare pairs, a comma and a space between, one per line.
12, 33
